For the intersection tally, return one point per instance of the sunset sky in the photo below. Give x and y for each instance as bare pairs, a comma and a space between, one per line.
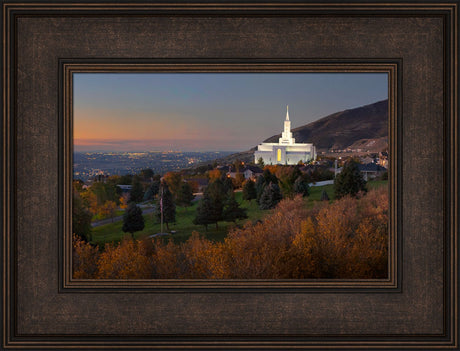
207, 111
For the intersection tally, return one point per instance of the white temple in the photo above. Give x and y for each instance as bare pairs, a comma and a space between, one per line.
286, 151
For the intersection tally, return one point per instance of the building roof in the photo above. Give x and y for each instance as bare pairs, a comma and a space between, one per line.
371, 167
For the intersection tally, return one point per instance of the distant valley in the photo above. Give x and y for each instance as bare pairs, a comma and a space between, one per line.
90, 164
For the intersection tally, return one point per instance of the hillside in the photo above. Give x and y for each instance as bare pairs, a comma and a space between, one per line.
361, 127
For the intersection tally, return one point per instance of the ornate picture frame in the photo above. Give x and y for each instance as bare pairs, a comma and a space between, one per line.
45, 43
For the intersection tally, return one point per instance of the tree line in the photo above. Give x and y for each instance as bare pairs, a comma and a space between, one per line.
344, 239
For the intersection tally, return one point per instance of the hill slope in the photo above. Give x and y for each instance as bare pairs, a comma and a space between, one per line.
362, 127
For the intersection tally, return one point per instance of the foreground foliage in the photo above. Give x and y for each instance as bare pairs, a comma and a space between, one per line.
346, 239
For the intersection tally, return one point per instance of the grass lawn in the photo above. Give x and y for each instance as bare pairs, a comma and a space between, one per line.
184, 216
184, 227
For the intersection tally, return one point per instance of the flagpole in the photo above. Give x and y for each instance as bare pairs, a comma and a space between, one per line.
161, 209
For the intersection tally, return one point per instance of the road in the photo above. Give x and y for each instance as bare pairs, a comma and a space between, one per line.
145, 210
118, 218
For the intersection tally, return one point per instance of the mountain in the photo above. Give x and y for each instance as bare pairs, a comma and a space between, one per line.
364, 127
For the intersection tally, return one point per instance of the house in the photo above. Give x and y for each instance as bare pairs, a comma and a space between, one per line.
249, 172
125, 188
252, 172
371, 170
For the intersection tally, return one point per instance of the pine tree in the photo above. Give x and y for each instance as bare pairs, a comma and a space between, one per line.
262, 181
249, 190
203, 211
301, 186
260, 162
232, 210
228, 184
185, 195
270, 197
166, 203
217, 193
137, 191
324, 196
260, 185
349, 181
152, 191
133, 221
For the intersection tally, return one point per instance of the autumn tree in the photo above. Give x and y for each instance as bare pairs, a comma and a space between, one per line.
174, 181
124, 261
249, 190
214, 174
165, 204
133, 221
287, 175
349, 181
84, 259
124, 200
108, 210
185, 195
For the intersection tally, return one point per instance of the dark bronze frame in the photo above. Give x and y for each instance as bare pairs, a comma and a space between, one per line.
43, 307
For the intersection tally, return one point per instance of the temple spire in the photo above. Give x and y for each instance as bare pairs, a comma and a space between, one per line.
286, 135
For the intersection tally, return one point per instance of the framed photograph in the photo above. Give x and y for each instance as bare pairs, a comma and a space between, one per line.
158, 192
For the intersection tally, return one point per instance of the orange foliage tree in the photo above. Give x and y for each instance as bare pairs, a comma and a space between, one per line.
128, 260
84, 259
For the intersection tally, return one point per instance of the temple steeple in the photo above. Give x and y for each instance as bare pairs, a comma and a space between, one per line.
286, 136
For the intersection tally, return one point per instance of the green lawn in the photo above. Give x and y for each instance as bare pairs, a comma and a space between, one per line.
184, 225
185, 215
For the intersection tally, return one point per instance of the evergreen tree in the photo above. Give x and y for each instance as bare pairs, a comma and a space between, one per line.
152, 191
324, 196
137, 191
260, 185
228, 184
185, 195
301, 186
260, 162
133, 221
147, 174
349, 181
262, 181
217, 193
232, 210
249, 190
166, 204
270, 197
269, 177
203, 211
